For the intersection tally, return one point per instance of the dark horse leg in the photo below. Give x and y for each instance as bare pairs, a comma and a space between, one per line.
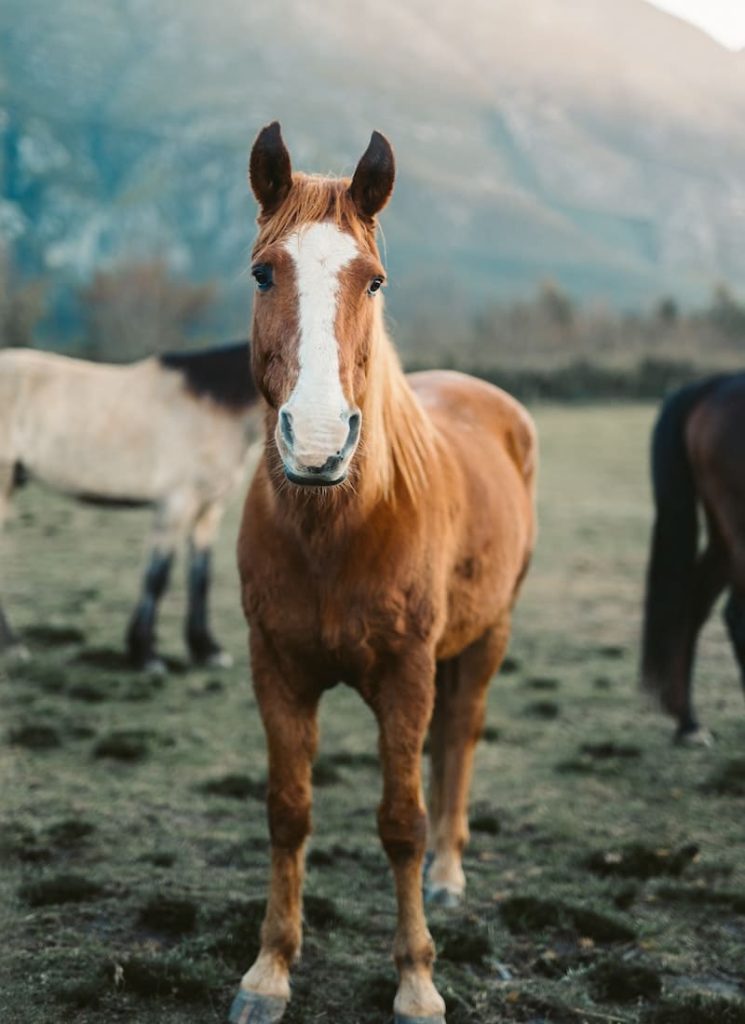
203, 647
456, 726
9, 641
709, 581
171, 524
734, 617
141, 640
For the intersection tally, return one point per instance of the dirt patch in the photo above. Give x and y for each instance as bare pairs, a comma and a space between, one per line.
463, 942
69, 833
322, 913
325, 772
349, 759
694, 895
129, 745
485, 821
91, 693
640, 861
728, 779
622, 981
170, 915
547, 684
610, 750
236, 786
613, 652
35, 736
696, 1010
53, 636
526, 914
509, 666
64, 888
546, 710
171, 976
237, 930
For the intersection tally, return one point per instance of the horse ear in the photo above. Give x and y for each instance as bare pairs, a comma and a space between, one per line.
270, 170
372, 183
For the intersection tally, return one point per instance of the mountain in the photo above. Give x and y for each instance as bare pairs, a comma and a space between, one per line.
595, 142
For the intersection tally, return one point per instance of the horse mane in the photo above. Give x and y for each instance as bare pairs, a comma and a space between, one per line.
222, 373
399, 442
314, 198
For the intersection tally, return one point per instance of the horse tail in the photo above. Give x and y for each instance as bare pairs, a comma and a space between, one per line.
674, 546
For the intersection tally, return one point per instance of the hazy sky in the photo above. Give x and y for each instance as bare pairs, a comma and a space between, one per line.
723, 19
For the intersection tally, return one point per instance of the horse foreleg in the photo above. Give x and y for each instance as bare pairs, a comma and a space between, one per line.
289, 713
403, 706
141, 640
203, 647
457, 723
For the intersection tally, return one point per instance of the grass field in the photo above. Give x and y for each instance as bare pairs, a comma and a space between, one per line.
606, 870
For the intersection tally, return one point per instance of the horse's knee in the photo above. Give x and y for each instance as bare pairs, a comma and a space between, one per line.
402, 827
289, 819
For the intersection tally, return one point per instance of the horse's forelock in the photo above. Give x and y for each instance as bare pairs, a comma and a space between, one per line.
312, 199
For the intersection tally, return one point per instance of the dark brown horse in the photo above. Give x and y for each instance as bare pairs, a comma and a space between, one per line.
385, 535
698, 461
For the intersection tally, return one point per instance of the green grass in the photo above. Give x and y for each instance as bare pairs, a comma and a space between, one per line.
152, 794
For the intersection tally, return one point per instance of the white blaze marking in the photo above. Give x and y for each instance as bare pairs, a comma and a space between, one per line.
318, 403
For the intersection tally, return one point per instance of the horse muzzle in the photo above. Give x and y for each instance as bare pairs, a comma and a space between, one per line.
304, 451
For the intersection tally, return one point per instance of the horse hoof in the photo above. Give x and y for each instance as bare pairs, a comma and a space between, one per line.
400, 1018
252, 1008
155, 667
219, 659
441, 896
697, 737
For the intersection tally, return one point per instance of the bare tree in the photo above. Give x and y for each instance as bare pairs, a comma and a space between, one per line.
21, 305
140, 308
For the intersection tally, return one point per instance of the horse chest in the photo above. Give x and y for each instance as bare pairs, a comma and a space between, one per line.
344, 626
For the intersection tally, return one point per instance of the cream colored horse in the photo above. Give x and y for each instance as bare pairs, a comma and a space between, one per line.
171, 432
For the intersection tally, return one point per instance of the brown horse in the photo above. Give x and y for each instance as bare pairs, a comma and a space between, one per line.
385, 535
697, 458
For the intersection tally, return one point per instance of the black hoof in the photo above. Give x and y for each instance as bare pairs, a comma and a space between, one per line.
252, 1008
693, 736
215, 659
441, 896
400, 1018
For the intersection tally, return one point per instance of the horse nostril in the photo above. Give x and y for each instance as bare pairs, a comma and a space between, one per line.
285, 428
355, 420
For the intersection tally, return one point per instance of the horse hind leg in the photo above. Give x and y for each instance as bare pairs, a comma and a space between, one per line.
171, 524
734, 617
709, 581
456, 726
203, 647
10, 645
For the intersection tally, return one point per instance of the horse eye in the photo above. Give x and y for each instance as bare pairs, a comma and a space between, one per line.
262, 275
375, 285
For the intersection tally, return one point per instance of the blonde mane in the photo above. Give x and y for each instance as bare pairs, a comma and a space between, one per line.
400, 435
398, 438
311, 199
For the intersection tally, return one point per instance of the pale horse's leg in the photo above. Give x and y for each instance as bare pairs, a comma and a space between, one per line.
173, 519
203, 647
10, 645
